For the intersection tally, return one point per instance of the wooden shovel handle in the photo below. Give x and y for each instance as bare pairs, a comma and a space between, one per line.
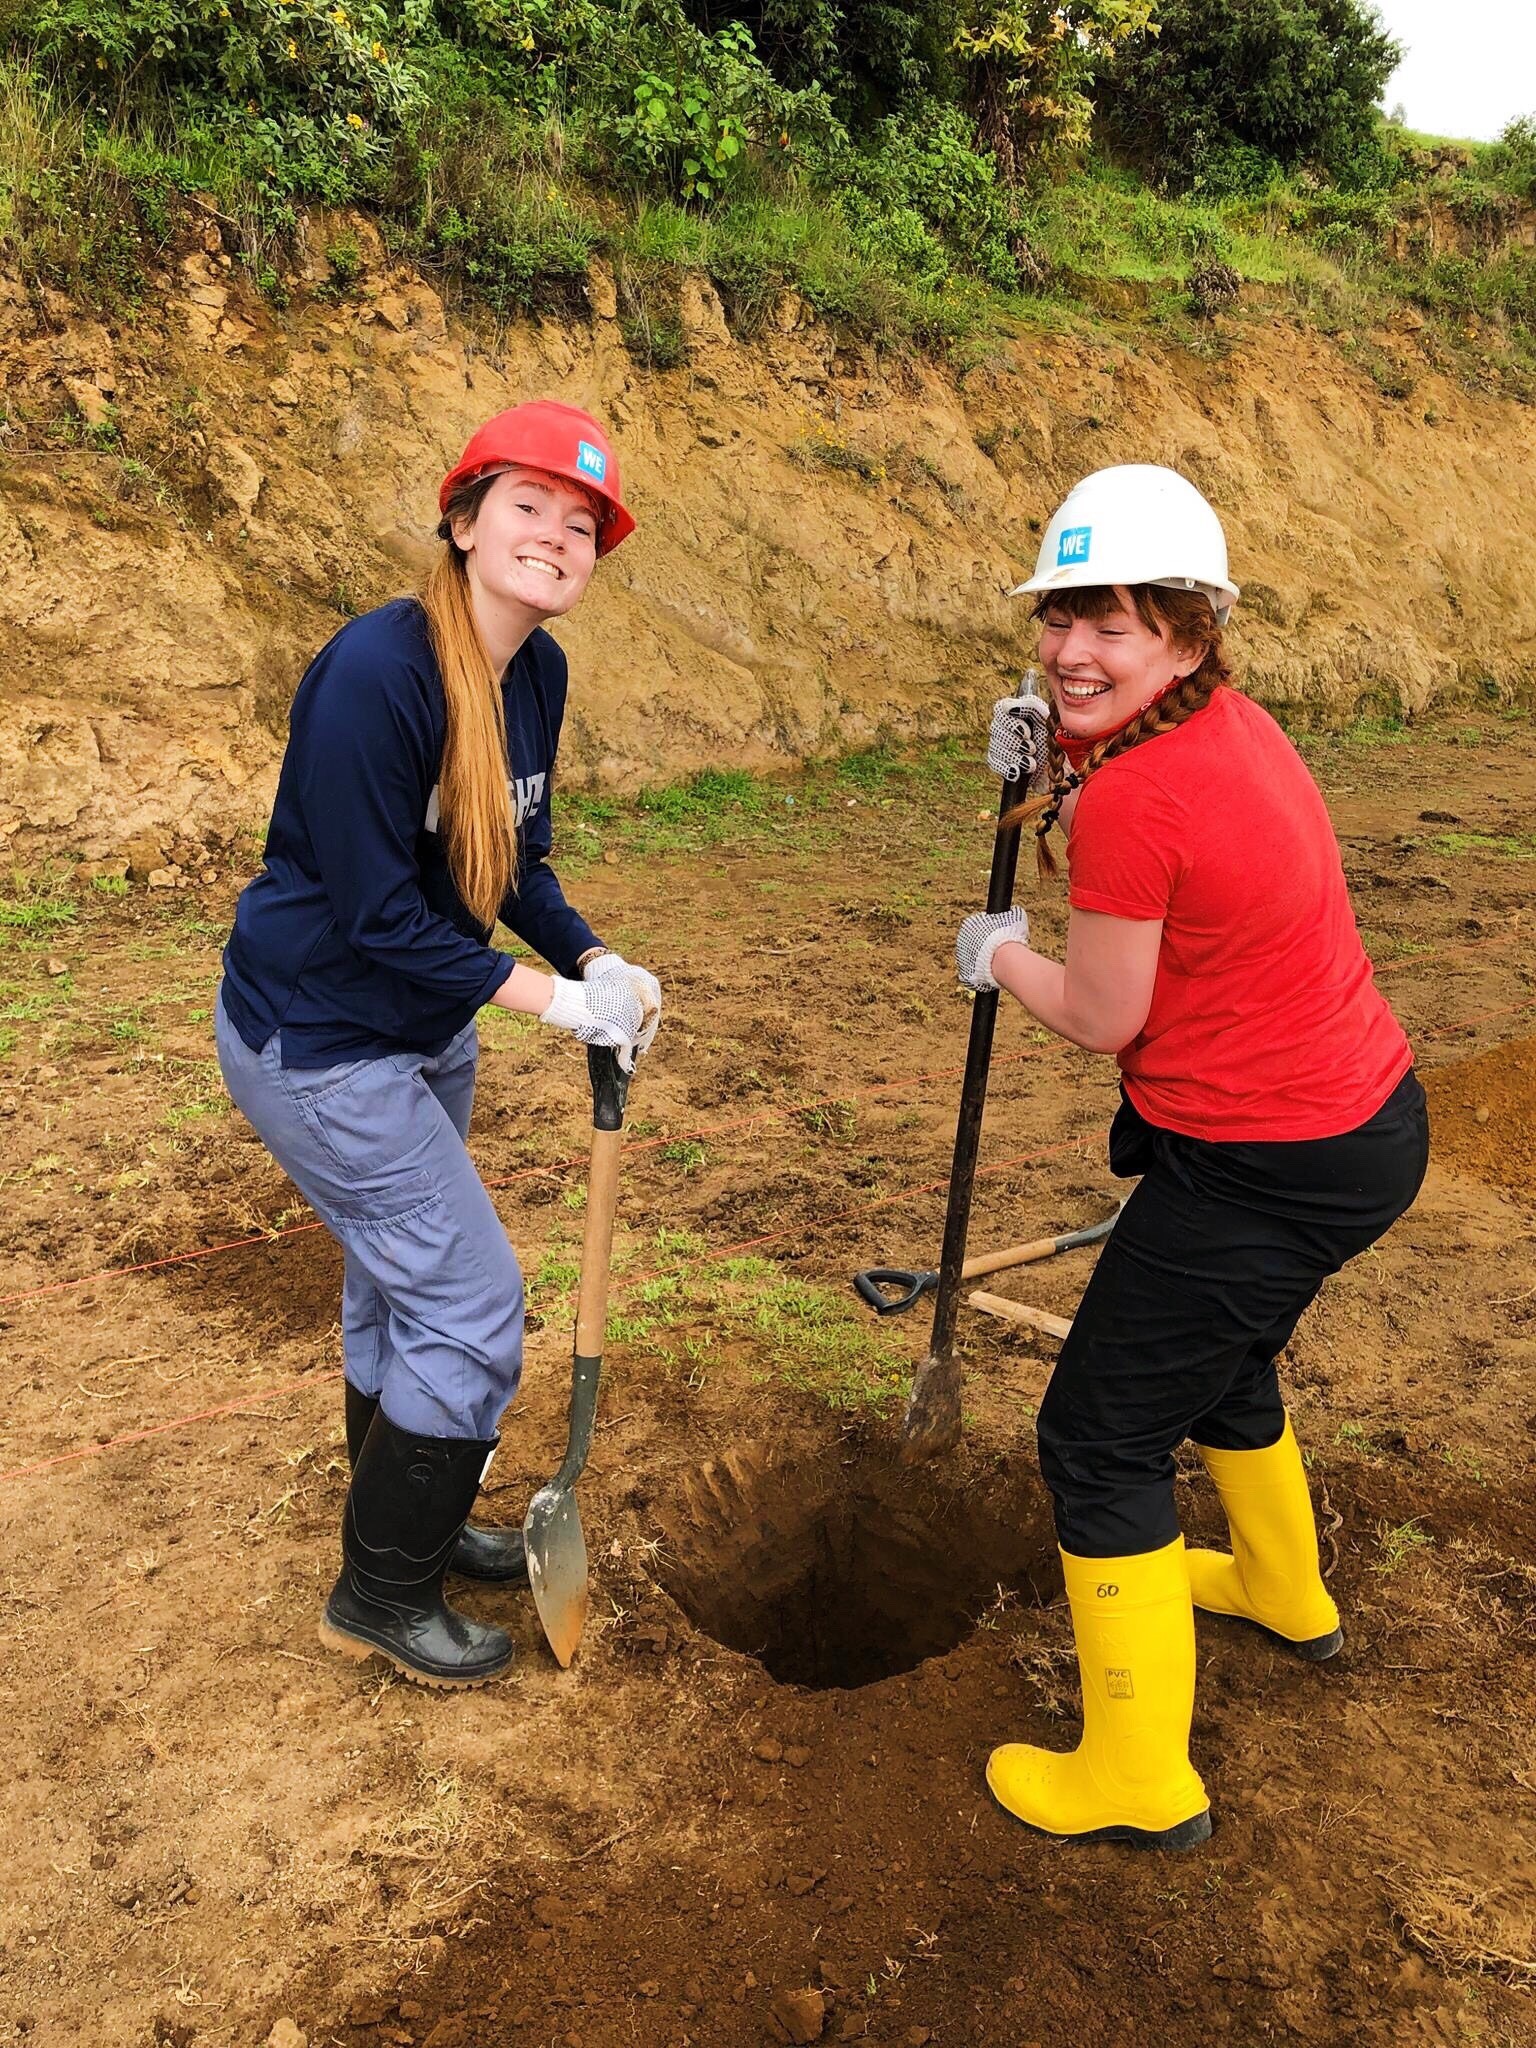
597, 1243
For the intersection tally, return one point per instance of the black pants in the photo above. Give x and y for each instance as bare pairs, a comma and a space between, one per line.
1213, 1260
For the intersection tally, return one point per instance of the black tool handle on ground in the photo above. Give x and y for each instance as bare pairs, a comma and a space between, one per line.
973, 1097
874, 1280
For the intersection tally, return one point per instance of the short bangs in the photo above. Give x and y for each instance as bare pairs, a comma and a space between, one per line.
1184, 613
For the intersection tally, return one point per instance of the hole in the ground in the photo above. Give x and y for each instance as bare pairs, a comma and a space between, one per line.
849, 1570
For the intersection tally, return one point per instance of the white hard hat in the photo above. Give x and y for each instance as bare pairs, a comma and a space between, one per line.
1136, 523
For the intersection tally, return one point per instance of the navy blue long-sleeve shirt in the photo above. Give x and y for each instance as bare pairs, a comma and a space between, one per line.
353, 940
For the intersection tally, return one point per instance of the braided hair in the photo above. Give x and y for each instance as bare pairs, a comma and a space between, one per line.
1187, 620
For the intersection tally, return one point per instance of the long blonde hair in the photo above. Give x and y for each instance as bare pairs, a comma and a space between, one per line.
474, 794
1188, 621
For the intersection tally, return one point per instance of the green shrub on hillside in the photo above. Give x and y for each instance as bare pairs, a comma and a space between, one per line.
1029, 67
921, 194
907, 171
1512, 159
1223, 96
310, 96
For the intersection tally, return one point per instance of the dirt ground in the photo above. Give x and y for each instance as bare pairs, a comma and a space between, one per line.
752, 1811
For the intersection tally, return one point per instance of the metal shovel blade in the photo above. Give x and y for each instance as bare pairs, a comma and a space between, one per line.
557, 1567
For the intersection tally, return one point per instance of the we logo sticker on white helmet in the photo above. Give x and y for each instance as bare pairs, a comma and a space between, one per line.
591, 461
1074, 545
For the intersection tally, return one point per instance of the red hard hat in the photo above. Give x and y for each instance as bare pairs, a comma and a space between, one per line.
562, 439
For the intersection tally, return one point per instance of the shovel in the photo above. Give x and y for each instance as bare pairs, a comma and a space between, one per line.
552, 1534
912, 1284
932, 1421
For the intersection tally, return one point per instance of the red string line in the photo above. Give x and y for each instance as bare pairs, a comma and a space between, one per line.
507, 1180
1074, 1144
733, 1125
729, 1251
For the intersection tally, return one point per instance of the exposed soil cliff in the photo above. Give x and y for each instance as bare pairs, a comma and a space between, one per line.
191, 502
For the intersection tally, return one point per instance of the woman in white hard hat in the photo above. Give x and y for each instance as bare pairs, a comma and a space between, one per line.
1269, 1106
413, 811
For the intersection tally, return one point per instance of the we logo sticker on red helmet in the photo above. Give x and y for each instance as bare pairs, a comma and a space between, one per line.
591, 461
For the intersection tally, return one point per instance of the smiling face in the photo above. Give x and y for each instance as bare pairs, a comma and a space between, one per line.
531, 546
1103, 669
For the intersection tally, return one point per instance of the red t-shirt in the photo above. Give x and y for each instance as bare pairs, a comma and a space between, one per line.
1266, 1022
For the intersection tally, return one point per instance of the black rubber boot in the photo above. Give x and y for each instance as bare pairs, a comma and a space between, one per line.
491, 1554
405, 1509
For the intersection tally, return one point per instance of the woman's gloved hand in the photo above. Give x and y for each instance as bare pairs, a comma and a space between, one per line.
645, 985
1018, 741
979, 938
604, 1011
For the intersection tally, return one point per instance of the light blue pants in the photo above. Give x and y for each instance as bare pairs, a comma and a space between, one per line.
432, 1298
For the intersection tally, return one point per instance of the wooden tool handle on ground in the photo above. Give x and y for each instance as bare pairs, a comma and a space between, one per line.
1020, 1312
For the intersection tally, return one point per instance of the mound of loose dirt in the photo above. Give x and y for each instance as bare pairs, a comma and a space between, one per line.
1483, 1113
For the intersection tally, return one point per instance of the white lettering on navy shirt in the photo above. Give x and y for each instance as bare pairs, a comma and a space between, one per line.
527, 795
526, 792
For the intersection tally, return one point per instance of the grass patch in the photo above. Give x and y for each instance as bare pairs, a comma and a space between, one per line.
27, 1004
819, 1345
558, 1274
36, 913
826, 449
870, 769
1395, 1544
1358, 1437
691, 1311
197, 1111
732, 807
1491, 845
686, 1153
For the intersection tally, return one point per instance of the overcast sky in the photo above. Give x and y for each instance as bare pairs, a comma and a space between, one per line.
1469, 66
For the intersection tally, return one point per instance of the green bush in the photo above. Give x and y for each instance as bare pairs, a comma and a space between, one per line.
1030, 66
1293, 81
1512, 159
302, 100
73, 215
920, 195
888, 164
666, 107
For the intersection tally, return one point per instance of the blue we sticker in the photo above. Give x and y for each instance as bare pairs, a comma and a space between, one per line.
591, 461
1074, 545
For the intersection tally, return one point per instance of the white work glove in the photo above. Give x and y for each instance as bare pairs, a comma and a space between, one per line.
1017, 743
602, 1012
979, 938
644, 984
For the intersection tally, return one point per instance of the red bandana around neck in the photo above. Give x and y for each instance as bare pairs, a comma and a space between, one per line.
1077, 750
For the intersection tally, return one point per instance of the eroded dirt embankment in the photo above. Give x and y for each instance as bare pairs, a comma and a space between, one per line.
825, 535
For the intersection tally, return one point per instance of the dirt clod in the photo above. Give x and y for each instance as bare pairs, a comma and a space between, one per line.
1481, 1119
287, 2034
799, 2015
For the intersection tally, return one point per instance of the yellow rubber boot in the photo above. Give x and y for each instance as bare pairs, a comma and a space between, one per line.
1272, 1577
1130, 1778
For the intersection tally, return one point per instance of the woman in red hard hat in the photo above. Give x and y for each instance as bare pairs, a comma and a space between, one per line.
1269, 1107
413, 812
